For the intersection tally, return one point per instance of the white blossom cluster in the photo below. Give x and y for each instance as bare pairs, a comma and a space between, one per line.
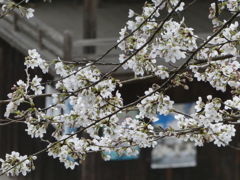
16, 97
36, 126
20, 92
171, 42
9, 5
154, 104
128, 134
14, 164
229, 5
120, 137
232, 104
68, 150
34, 60
207, 124
147, 41
219, 74
222, 72
89, 103
139, 133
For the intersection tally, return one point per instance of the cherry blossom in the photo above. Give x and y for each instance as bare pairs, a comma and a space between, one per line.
14, 164
153, 46
29, 13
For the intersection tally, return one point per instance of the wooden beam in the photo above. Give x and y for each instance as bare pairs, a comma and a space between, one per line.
95, 42
15, 21
67, 46
89, 23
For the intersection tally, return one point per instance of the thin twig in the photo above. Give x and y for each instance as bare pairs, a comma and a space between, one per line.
10, 10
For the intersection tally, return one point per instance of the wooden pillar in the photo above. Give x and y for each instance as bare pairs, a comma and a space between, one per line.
89, 23
15, 20
40, 38
67, 46
89, 32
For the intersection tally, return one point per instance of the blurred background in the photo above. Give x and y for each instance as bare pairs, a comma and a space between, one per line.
77, 30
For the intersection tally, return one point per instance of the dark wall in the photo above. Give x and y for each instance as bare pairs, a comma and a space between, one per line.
13, 137
212, 162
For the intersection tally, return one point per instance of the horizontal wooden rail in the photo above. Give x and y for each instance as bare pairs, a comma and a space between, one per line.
95, 42
36, 24
51, 41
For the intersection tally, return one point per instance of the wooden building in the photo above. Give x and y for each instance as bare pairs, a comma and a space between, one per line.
48, 35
